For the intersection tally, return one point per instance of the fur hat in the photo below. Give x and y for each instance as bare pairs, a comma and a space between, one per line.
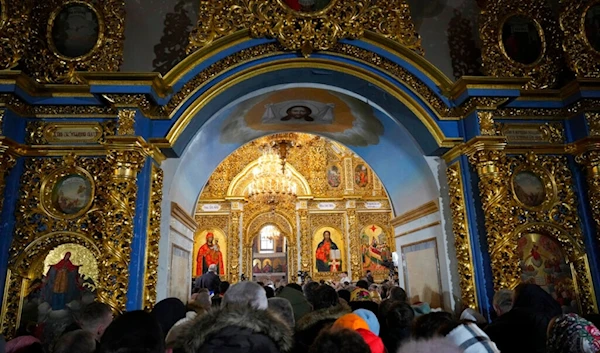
437, 344
283, 308
370, 319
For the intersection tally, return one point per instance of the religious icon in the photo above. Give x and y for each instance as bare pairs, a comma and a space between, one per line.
75, 30
307, 5
62, 284
72, 194
256, 266
328, 255
361, 175
592, 27
543, 263
521, 39
529, 189
298, 112
376, 254
267, 266
209, 254
279, 265
333, 177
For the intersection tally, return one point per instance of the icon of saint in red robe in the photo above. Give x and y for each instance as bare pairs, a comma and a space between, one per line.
209, 254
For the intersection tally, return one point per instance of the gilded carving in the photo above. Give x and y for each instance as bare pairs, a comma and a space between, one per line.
233, 246
306, 242
126, 122
38, 132
590, 160
593, 122
355, 253
15, 28
462, 241
506, 215
303, 31
153, 237
582, 58
36, 232
48, 65
496, 61
122, 195
7, 162
2, 112
486, 123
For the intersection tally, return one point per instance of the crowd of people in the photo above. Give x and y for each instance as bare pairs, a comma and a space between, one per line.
319, 317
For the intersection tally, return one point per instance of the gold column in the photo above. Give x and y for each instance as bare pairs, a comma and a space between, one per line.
127, 158
234, 243
305, 241
489, 160
462, 240
153, 238
355, 259
590, 160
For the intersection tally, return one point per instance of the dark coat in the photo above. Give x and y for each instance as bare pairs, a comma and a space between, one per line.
523, 328
210, 281
308, 328
300, 305
236, 330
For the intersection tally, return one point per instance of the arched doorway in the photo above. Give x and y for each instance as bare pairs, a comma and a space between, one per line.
269, 256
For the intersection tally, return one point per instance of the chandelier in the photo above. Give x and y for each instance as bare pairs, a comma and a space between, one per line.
272, 182
270, 232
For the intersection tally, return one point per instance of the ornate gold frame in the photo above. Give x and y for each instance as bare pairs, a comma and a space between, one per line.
342, 176
43, 62
582, 58
52, 19
274, 19
50, 181
15, 29
496, 62
546, 178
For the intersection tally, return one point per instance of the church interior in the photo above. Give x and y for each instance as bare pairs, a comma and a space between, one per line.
449, 146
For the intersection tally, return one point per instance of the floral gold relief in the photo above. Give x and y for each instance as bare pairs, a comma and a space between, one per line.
15, 28
497, 47
462, 241
153, 238
300, 31
7, 162
122, 195
583, 56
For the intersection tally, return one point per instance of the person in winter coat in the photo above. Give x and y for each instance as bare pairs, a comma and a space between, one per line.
242, 325
327, 310
523, 328
300, 304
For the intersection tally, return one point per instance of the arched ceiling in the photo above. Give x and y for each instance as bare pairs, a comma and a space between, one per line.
387, 147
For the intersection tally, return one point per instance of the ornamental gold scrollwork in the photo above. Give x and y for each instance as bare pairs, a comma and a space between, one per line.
15, 29
581, 55
153, 237
486, 123
306, 242
593, 122
7, 162
126, 122
36, 232
300, 31
491, 166
590, 160
496, 62
122, 195
47, 64
355, 251
233, 246
462, 241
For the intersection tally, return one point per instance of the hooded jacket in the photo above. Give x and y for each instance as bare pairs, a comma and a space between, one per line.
236, 329
308, 328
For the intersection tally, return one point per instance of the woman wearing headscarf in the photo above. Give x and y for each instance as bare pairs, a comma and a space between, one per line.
523, 328
572, 334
